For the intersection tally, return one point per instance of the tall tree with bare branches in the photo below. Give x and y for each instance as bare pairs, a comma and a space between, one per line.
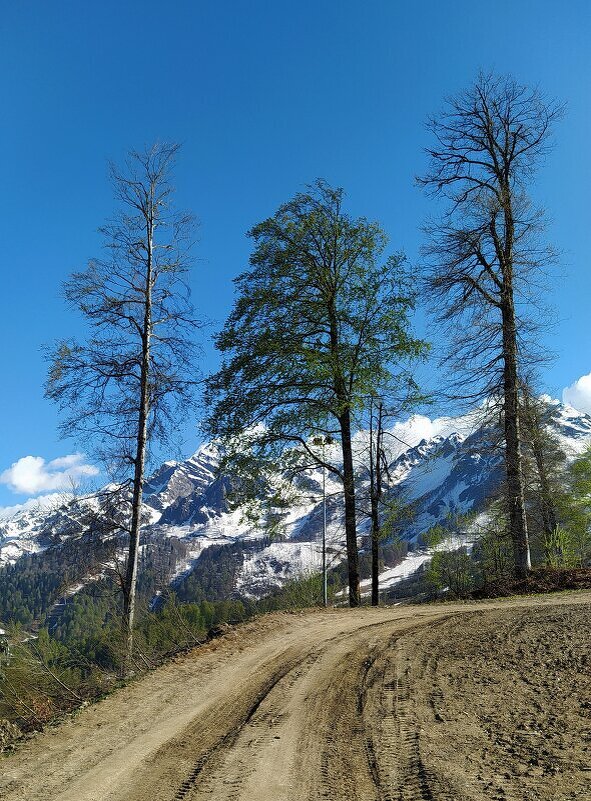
378, 472
485, 253
132, 380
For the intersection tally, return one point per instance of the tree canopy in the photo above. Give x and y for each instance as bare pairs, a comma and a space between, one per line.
320, 325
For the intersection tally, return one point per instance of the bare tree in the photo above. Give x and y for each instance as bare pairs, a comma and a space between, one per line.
485, 254
131, 381
388, 510
378, 471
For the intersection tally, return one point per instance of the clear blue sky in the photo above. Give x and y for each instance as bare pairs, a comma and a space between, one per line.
265, 97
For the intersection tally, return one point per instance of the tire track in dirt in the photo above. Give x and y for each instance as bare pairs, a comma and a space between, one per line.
227, 741
413, 782
393, 731
212, 759
204, 758
495, 705
339, 705
266, 738
366, 742
181, 762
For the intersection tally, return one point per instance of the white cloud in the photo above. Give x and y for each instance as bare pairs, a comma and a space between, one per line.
41, 503
63, 462
419, 427
32, 474
579, 394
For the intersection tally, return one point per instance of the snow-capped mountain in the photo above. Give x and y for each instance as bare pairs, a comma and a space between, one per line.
440, 466
37, 527
188, 492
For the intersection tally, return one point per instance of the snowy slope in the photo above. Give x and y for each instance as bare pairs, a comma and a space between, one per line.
438, 465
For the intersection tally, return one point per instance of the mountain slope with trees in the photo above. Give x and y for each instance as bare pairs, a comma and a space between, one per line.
190, 523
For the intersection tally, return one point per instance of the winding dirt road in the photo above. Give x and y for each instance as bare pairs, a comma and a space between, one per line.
360, 705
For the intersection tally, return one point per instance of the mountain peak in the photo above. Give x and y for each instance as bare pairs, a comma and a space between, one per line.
185, 501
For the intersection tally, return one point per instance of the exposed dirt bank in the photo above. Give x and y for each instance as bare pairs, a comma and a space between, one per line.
501, 704
539, 580
467, 701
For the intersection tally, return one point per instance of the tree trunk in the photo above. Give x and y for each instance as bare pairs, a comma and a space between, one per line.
534, 424
375, 554
350, 513
129, 591
513, 460
130, 587
375, 480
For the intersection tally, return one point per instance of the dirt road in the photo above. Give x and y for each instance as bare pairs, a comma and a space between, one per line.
462, 702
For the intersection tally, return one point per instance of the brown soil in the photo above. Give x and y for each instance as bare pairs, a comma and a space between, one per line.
539, 580
497, 705
487, 700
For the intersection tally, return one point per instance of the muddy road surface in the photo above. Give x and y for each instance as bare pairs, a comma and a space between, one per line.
450, 702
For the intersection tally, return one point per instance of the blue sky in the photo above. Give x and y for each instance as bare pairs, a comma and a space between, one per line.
265, 97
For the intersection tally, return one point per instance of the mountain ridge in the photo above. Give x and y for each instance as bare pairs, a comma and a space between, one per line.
443, 474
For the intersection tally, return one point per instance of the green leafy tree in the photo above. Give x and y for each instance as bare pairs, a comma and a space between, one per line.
451, 570
572, 542
321, 322
544, 468
493, 548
